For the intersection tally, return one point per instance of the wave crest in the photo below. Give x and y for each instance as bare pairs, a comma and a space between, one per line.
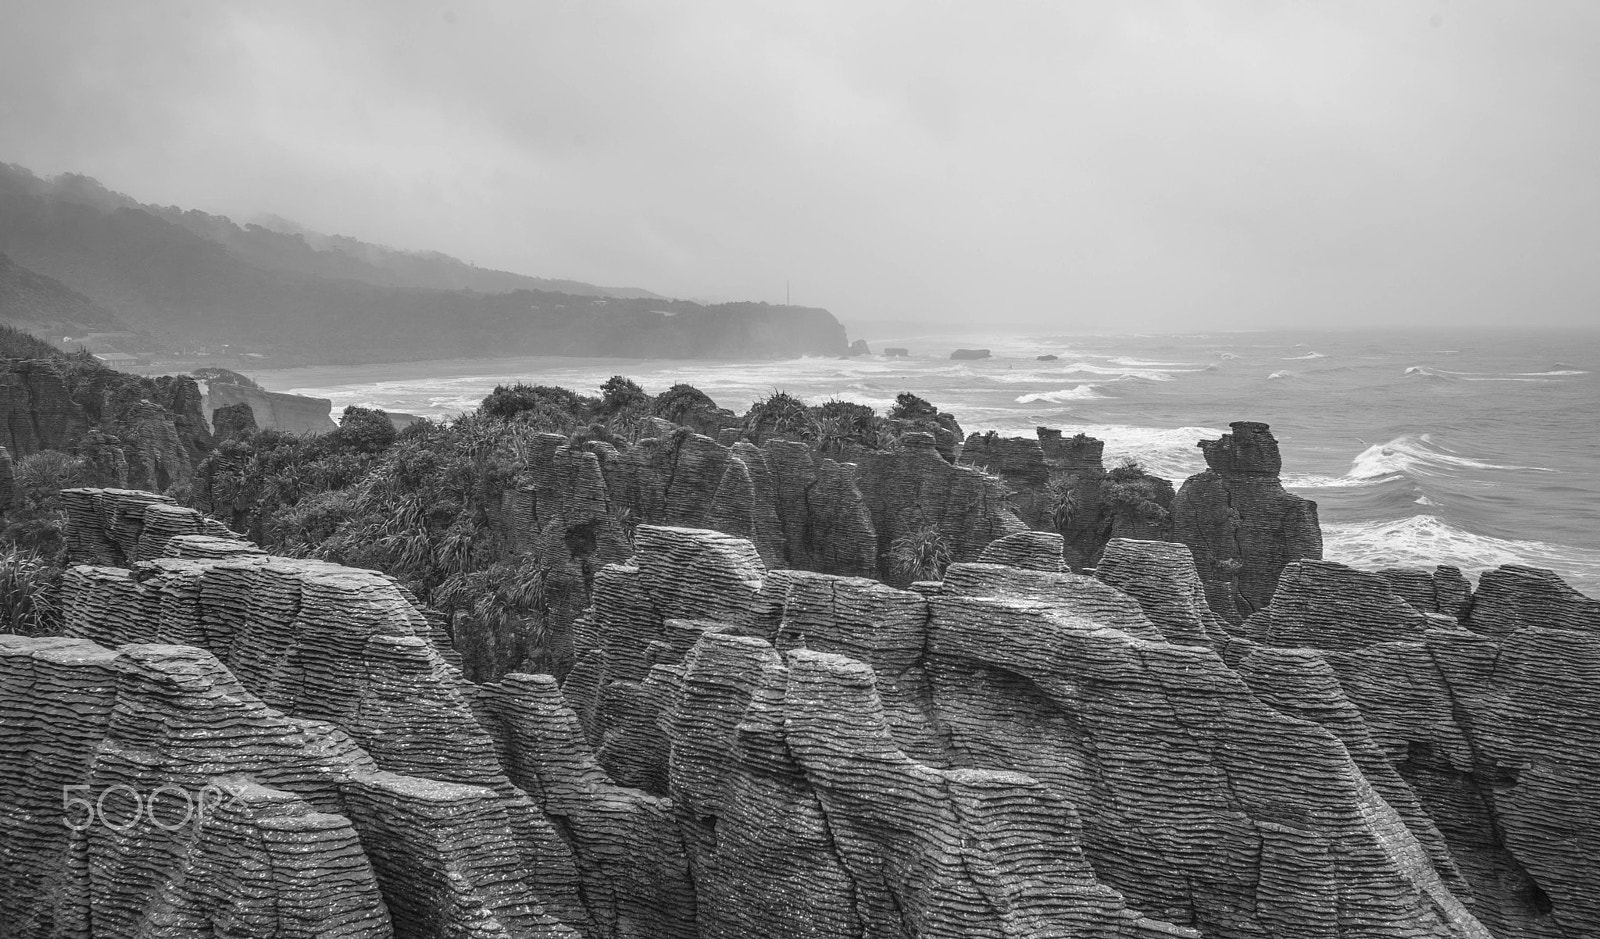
1080, 393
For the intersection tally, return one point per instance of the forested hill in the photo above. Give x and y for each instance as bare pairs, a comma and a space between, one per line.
188, 277
45, 306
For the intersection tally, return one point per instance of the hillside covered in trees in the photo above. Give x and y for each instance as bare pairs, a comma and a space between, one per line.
188, 277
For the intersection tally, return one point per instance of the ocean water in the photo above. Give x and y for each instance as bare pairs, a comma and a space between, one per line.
1467, 448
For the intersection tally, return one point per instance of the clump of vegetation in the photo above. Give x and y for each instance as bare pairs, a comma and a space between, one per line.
32, 542
909, 407
541, 402
780, 414
678, 403
366, 430
224, 376
1135, 494
842, 423
30, 588
1065, 507
922, 554
18, 344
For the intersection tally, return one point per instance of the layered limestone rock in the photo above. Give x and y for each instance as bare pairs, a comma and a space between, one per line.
1034, 687
575, 505
147, 433
738, 750
1492, 721
1062, 485
124, 526
252, 822
1240, 523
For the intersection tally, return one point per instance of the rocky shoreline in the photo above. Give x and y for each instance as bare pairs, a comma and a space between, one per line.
1161, 716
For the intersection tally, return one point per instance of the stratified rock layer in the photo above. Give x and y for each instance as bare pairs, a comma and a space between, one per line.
742, 751
142, 432
1493, 721
1240, 522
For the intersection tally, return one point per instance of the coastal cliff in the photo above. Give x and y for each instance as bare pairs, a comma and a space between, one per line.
1012, 750
272, 410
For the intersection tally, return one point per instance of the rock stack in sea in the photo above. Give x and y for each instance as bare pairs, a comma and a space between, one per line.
1240, 522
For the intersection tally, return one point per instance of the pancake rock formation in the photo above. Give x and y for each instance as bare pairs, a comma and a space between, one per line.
1015, 750
147, 433
1240, 522
1062, 485
575, 506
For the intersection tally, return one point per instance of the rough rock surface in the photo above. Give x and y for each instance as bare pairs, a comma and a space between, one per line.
739, 751
233, 421
575, 505
851, 711
153, 432
1240, 522
1062, 485
8, 480
1493, 721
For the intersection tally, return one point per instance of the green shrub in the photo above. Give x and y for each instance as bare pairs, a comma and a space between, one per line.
366, 430
919, 555
30, 588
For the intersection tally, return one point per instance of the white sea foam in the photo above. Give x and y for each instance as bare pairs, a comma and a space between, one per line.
1318, 481
1126, 372
1426, 540
1172, 453
1279, 376
1414, 454
1140, 363
1428, 371
1422, 454
1308, 355
1080, 393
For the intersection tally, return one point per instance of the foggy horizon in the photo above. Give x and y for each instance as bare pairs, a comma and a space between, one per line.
1142, 167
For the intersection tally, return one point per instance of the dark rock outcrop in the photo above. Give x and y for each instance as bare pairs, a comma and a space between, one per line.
859, 347
896, 352
970, 354
1240, 522
8, 480
1062, 485
1045, 358
798, 509
233, 422
147, 433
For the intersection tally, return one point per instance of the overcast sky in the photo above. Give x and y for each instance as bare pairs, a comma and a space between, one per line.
1113, 164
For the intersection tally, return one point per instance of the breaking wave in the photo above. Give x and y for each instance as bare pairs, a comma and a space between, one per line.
1080, 393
